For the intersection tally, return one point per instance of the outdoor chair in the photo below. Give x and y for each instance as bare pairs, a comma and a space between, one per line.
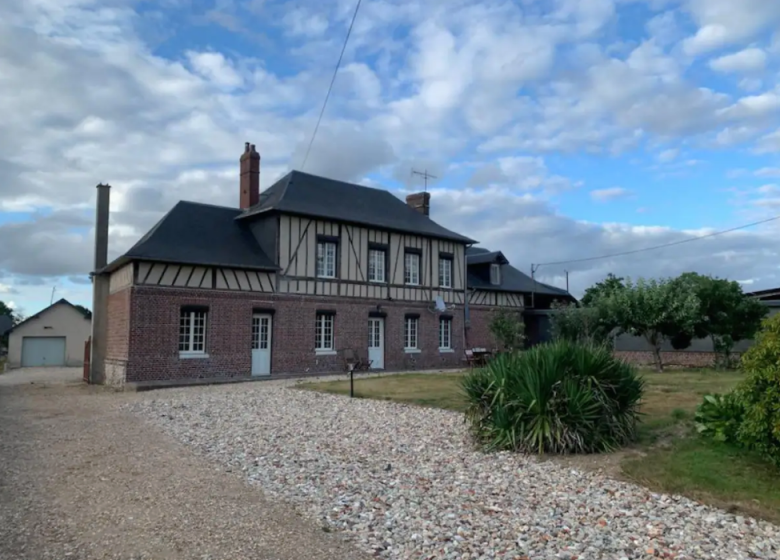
470, 359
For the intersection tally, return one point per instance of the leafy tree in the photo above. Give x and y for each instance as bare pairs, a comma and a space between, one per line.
654, 309
726, 313
580, 324
604, 288
87, 313
5, 310
507, 327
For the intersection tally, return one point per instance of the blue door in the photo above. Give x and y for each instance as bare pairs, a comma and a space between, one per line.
43, 351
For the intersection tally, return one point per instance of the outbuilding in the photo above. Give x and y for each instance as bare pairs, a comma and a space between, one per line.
54, 336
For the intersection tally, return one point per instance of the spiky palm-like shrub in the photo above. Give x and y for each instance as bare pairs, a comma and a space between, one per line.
561, 397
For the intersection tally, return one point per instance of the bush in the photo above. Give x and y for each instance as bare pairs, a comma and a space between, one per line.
507, 328
765, 353
759, 395
561, 397
719, 417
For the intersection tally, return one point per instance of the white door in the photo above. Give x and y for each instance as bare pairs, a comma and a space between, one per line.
376, 342
43, 351
261, 344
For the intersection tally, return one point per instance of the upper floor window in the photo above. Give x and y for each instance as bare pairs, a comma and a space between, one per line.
412, 268
326, 259
192, 331
445, 272
495, 274
376, 265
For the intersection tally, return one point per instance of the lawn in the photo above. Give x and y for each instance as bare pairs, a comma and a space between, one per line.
669, 457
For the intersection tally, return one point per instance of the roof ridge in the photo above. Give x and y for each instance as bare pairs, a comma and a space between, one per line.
207, 204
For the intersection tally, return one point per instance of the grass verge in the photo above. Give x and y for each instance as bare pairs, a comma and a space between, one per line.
669, 457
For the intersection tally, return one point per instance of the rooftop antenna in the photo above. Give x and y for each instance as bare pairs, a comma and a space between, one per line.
53, 289
425, 175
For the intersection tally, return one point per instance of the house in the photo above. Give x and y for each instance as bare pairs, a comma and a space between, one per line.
54, 336
287, 282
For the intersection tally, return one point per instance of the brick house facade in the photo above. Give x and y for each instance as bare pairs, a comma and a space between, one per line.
292, 281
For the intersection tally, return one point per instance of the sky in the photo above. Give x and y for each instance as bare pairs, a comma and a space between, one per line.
557, 129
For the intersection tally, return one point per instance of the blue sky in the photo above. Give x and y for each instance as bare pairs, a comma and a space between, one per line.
557, 129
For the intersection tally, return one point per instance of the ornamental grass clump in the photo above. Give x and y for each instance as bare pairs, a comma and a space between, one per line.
561, 397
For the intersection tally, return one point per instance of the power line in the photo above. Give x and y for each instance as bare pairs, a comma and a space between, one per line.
330, 87
535, 267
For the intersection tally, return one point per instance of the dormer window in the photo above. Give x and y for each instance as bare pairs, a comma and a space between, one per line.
495, 274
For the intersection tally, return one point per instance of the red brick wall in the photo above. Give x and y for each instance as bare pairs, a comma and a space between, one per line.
118, 330
682, 358
478, 335
154, 353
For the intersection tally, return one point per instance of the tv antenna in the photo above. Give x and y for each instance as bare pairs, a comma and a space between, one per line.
425, 175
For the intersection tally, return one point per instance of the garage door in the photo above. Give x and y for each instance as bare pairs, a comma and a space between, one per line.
43, 351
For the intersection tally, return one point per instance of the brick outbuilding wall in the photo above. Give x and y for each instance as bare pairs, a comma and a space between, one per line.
684, 359
154, 331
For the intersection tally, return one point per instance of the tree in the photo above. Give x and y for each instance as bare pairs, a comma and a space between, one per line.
87, 313
726, 314
5, 310
580, 324
654, 309
609, 285
508, 329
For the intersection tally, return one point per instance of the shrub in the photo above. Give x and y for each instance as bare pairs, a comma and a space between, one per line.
719, 417
561, 397
765, 353
759, 395
508, 328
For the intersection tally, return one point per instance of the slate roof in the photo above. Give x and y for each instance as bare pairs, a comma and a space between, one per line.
5, 324
195, 233
512, 280
310, 195
42, 311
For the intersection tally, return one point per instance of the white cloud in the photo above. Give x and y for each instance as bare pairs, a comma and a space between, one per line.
748, 60
769, 143
768, 172
216, 68
754, 106
726, 22
668, 156
613, 193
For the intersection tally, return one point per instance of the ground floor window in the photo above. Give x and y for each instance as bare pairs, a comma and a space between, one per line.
411, 329
445, 334
192, 331
324, 333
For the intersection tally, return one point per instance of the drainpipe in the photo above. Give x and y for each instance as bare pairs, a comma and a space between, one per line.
100, 287
466, 310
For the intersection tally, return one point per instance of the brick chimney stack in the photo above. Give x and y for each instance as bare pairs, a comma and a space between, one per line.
420, 202
250, 176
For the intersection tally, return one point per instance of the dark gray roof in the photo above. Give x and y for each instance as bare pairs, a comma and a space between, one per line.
87, 315
310, 195
194, 233
512, 280
5, 324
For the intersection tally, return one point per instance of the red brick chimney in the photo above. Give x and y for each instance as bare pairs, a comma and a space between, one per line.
420, 201
250, 176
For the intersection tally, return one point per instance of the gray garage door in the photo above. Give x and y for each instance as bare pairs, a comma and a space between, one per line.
43, 351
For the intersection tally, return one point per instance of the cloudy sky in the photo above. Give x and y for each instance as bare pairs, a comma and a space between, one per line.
557, 129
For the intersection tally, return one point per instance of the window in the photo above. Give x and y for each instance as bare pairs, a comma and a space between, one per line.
411, 327
376, 265
445, 272
192, 331
326, 259
495, 274
412, 269
445, 333
324, 333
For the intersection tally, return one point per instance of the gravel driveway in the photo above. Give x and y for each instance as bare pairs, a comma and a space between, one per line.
81, 479
404, 482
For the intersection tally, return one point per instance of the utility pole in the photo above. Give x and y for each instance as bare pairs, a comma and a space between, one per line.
425, 175
534, 268
567, 280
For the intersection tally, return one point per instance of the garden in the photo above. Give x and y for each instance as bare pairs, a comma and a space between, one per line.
710, 434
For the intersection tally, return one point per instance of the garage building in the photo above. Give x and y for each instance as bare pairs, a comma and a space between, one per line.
54, 336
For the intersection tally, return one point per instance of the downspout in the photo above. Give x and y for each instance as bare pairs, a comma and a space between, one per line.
466, 310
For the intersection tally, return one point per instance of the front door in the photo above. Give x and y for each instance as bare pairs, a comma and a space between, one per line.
376, 342
261, 344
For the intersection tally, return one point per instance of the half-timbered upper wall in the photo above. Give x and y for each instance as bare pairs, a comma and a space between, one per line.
298, 238
218, 278
121, 278
496, 299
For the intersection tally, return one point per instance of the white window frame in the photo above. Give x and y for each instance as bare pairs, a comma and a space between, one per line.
445, 265
445, 334
327, 253
412, 273
377, 258
495, 274
411, 335
323, 344
190, 348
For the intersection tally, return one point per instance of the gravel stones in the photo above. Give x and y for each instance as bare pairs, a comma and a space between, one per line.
405, 482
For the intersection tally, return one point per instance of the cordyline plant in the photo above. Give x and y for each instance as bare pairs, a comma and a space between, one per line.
656, 310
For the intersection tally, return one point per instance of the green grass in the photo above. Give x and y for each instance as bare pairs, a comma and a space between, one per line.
669, 457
